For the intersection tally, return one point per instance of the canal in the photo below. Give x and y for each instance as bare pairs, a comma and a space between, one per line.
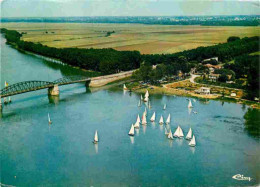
34, 153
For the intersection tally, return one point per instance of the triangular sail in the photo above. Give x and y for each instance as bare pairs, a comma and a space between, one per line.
170, 135
145, 111
96, 137
188, 137
132, 131
146, 99
168, 119
144, 122
147, 94
190, 104
176, 133
193, 141
141, 97
180, 133
137, 125
161, 120
138, 119
139, 103
164, 107
125, 88
153, 117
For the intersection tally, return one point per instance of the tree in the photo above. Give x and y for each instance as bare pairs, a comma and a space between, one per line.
233, 38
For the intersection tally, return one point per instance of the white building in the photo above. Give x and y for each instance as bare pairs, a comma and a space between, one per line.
203, 90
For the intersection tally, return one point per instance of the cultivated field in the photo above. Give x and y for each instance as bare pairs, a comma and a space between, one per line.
148, 39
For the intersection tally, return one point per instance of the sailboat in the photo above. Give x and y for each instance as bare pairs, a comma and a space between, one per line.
132, 131
125, 88
161, 120
138, 119
164, 107
137, 123
170, 135
145, 111
178, 133
5, 101
146, 98
165, 131
9, 99
168, 119
144, 122
190, 104
95, 141
189, 135
141, 97
192, 142
139, 104
49, 119
146, 94
153, 117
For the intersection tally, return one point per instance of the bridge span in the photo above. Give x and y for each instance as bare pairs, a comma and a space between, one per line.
53, 89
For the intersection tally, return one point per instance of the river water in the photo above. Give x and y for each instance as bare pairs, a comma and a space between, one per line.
62, 154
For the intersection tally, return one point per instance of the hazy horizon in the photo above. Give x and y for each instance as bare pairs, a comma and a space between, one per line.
122, 8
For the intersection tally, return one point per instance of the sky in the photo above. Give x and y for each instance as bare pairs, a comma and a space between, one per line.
60, 8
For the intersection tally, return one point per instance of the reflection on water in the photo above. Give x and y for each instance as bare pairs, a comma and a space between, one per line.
132, 139
189, 110
170, 142
192, 149
153, 125
137, 131
179, 141
54, 99
144, 128
96, 148
252, 117
161, 127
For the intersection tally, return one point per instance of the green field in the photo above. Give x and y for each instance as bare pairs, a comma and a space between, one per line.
148, 39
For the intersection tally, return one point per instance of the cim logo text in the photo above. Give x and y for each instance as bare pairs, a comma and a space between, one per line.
241, 177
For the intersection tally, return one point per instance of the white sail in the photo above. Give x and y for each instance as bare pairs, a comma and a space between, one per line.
189, 135
170, 135
190, 104
145, 111
138, 119
161, 120
147, 94
144, 122
164, 107
153, 117
49, 119
146, 99
168, 119
139, 104
125, 88
141, 97
193, 141
176, 133
165, 131
137, 125
9, 99
96, 137
180, 133
132, 131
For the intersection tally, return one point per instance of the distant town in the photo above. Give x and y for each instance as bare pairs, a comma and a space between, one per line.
235, 20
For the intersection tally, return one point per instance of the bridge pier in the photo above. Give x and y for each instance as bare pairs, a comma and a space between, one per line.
54, 91
87, 83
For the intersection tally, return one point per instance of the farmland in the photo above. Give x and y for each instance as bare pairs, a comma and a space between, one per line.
148, 39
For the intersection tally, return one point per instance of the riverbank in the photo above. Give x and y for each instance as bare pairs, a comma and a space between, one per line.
176, 89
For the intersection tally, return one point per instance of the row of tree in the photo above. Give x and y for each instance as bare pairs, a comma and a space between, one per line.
107, 61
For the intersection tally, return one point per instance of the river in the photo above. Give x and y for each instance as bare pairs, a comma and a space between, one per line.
34, 153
